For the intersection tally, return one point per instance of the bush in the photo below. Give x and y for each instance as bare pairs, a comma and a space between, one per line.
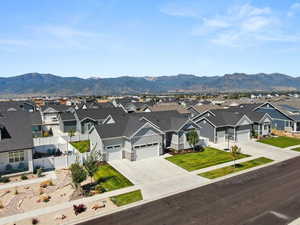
99, 188
79, 208
9, 167
21, 166
24, 177
46, 183
4, 179
39, 172
35, 221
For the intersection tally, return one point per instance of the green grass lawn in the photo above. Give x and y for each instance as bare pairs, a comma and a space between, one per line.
231, 169
296, 149
281, 142
199, 160
110, 179
81, 146
127, 198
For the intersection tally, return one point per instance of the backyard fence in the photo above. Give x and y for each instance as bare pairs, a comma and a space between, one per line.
59, 162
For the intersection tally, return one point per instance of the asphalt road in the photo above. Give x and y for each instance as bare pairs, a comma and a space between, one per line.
268, 196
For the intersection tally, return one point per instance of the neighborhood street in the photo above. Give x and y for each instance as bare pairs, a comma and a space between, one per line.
268, 196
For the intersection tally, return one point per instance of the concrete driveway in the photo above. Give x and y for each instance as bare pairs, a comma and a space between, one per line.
254, 148
157, 176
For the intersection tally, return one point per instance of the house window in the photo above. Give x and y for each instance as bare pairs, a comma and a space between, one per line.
17, 156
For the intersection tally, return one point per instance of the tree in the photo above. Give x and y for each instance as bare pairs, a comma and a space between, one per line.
91, 166
71, 133
235, 152
192, 138
78, 174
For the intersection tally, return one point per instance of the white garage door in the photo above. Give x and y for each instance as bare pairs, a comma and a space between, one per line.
114, 152
243, 135
146, 151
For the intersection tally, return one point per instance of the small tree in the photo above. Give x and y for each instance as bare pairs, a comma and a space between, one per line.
78, 175
91, 166
235, 152
192, 138
71, 133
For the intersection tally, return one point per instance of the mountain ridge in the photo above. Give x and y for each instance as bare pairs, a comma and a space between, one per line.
50, 84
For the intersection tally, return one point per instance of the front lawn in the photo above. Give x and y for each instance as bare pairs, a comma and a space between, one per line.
296, 149
81, 146
110, 179
281, 142
231, 169
199, 160
127, 198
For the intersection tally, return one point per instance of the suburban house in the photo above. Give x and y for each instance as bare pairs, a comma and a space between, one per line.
93, 105
67, 122
37, 124
165, 107
16, 142
86, 118
50, 113
219, 125
141, 135
282, 119
129, 104
9, 106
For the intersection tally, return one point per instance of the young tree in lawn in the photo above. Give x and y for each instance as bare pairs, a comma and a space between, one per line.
91, 165
78, 174
192, 138
235, 152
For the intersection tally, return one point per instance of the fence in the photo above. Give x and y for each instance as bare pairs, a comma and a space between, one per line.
60, 162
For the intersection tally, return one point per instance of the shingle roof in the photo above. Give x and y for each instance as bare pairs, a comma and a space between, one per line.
127, 124
98, 114
19, 128
17, 105
168, 107
67, 116
57, 107
36, 118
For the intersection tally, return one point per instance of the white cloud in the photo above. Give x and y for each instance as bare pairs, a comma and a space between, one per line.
242, 26
294, 8
173, 9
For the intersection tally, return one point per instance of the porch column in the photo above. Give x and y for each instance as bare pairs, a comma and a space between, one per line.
295, 126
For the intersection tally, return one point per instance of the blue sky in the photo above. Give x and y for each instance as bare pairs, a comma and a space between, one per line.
109, 38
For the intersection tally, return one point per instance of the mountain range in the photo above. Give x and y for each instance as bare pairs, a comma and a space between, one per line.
48, 84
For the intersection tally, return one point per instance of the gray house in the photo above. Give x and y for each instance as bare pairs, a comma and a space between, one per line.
51, 112
16, 142
86, 118
141, 135
219, 125
67, 122
281, 119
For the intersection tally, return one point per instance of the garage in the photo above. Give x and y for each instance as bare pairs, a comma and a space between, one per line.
114, 152
146, 151
243, 135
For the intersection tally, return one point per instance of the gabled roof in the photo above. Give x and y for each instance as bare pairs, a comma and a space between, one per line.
98, 114
126, 124
168, 107
56, 107
67, 116
18, 127
36, 118
17, 105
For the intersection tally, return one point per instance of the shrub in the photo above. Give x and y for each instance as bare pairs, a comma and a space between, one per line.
78, 174
34, 221
39, 172
79, 208
1, 205
9, 167
16, 191
4, 179
21, 166
45, 198
24, 177
99, 188
46, 183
